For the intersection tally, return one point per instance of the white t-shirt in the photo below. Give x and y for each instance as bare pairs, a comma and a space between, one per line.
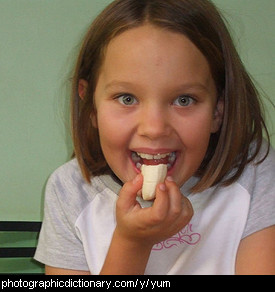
79, 221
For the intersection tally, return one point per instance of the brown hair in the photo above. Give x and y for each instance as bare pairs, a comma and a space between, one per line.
230, 149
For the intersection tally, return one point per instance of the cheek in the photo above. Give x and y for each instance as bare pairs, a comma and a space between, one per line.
107, 129
109, 139
196, 134
112, 131
115, 136
199, 125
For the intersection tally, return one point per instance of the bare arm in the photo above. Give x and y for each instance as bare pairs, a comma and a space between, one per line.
256, 254
57, 271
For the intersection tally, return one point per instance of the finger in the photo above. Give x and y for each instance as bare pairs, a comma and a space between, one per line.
161, 204
175, 197
181, 209
128, 193
185, 216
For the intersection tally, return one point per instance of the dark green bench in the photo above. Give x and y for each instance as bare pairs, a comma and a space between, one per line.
18, 240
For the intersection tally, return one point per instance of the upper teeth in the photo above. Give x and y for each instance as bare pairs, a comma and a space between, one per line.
149, 156
137, 158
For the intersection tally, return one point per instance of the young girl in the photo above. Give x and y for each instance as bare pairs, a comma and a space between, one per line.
160, 82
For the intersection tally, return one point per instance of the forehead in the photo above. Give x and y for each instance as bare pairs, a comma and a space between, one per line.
149, 53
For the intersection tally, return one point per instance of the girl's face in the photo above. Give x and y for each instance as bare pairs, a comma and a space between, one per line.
156, 103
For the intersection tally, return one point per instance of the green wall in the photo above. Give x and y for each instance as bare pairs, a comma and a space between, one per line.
39, 40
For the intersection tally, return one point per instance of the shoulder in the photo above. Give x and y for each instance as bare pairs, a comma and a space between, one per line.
67, 187
69, 177
66, 181
258, 180
259, 172
68, 173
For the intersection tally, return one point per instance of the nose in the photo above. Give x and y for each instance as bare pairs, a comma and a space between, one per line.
154, 123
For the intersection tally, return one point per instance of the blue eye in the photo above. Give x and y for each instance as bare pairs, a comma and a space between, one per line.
184, 101
127, 99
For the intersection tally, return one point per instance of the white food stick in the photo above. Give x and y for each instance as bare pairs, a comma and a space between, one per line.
152, 176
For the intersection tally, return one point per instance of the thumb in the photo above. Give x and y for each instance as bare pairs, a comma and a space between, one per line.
128, 193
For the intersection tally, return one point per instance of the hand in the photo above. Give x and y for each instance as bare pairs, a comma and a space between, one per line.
169, 214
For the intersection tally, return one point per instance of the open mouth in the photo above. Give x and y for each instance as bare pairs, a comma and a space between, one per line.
148, 159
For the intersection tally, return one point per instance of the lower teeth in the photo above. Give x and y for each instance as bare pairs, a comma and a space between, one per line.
138, 165
138, 161
135, 157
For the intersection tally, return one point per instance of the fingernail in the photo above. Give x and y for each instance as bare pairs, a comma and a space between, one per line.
162, 187
169, 178
136, 180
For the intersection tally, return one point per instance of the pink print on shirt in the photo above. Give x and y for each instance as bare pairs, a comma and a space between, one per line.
186, 236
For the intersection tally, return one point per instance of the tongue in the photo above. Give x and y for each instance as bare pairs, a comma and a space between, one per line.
155, 161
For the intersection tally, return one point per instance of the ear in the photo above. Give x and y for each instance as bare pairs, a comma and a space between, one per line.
218, 116
82, 91
82, 88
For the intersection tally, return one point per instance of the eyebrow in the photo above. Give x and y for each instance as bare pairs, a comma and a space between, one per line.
117, 83
187, 86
